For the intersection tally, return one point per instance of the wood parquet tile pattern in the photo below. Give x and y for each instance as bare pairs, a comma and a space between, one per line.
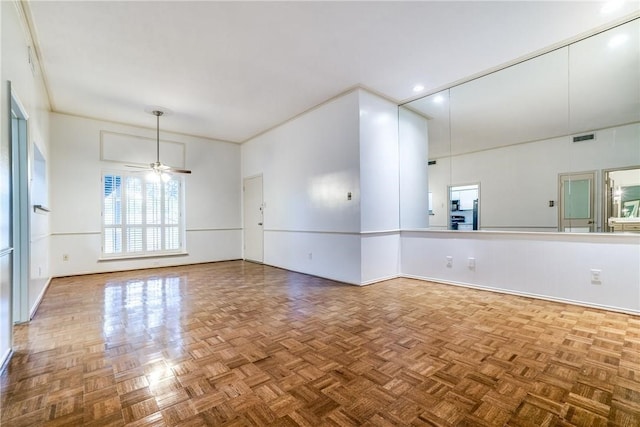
241, 344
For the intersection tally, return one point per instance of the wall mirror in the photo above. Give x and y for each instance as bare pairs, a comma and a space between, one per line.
541, 138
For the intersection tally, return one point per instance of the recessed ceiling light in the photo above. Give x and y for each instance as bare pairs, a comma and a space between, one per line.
618, 39
611, 6
418, 88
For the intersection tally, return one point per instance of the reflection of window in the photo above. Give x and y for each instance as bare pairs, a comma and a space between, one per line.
39, 191
156, 302
141, 217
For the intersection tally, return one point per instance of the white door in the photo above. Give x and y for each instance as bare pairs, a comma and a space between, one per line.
577, 202
253, 219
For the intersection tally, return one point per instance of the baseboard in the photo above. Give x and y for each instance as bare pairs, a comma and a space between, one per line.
156, 267
524, 294
36, 305
381, 279
4, 362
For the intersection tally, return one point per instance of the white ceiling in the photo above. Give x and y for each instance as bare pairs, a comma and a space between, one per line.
230, 70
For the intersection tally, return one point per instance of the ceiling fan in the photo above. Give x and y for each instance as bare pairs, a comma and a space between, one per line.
157, 169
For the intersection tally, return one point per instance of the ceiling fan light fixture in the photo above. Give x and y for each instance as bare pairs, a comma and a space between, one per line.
157, 175
152, 176
158, 169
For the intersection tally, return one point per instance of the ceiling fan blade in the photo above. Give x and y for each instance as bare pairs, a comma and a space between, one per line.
166, 168
139, 167
174, 170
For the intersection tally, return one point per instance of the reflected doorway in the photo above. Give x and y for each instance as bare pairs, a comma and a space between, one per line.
622, 199
576, 209
464, 207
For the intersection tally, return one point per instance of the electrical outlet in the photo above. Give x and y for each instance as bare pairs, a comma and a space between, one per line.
596, 278
65, 257
471, 263
449, 261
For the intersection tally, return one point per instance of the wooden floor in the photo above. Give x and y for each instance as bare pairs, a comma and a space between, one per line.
240, 344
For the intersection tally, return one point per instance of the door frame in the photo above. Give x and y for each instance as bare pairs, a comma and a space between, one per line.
593, 224
19, 137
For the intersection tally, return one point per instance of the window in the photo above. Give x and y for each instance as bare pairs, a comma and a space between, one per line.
141, 216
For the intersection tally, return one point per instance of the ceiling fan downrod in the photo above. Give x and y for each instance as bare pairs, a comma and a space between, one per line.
157, 113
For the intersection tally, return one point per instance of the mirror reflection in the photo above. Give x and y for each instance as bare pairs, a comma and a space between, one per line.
424, 133
543, 139
463, 207
622, 200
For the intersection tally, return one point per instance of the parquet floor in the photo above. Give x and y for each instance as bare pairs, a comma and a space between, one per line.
239, 344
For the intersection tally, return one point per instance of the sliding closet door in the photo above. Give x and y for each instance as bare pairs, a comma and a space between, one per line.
20, 209
6, 246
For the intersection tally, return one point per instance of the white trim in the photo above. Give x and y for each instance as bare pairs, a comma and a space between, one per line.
544, 235
88, 233
142, 256
35, 239
352, 233
36, 305
76, 233
275, 230
17, 104
521, 294
396, 231
213, 229
382, 279
530, 227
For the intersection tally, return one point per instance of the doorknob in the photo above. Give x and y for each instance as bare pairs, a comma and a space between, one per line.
259, 223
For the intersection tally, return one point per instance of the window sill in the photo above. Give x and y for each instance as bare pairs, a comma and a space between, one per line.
132, 257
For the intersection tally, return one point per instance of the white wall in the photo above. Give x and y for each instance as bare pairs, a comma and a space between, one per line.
379, 188
379, 167
517, 182
309, 166
380, 257
30, 89
334, 256
553, 266
212, 197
